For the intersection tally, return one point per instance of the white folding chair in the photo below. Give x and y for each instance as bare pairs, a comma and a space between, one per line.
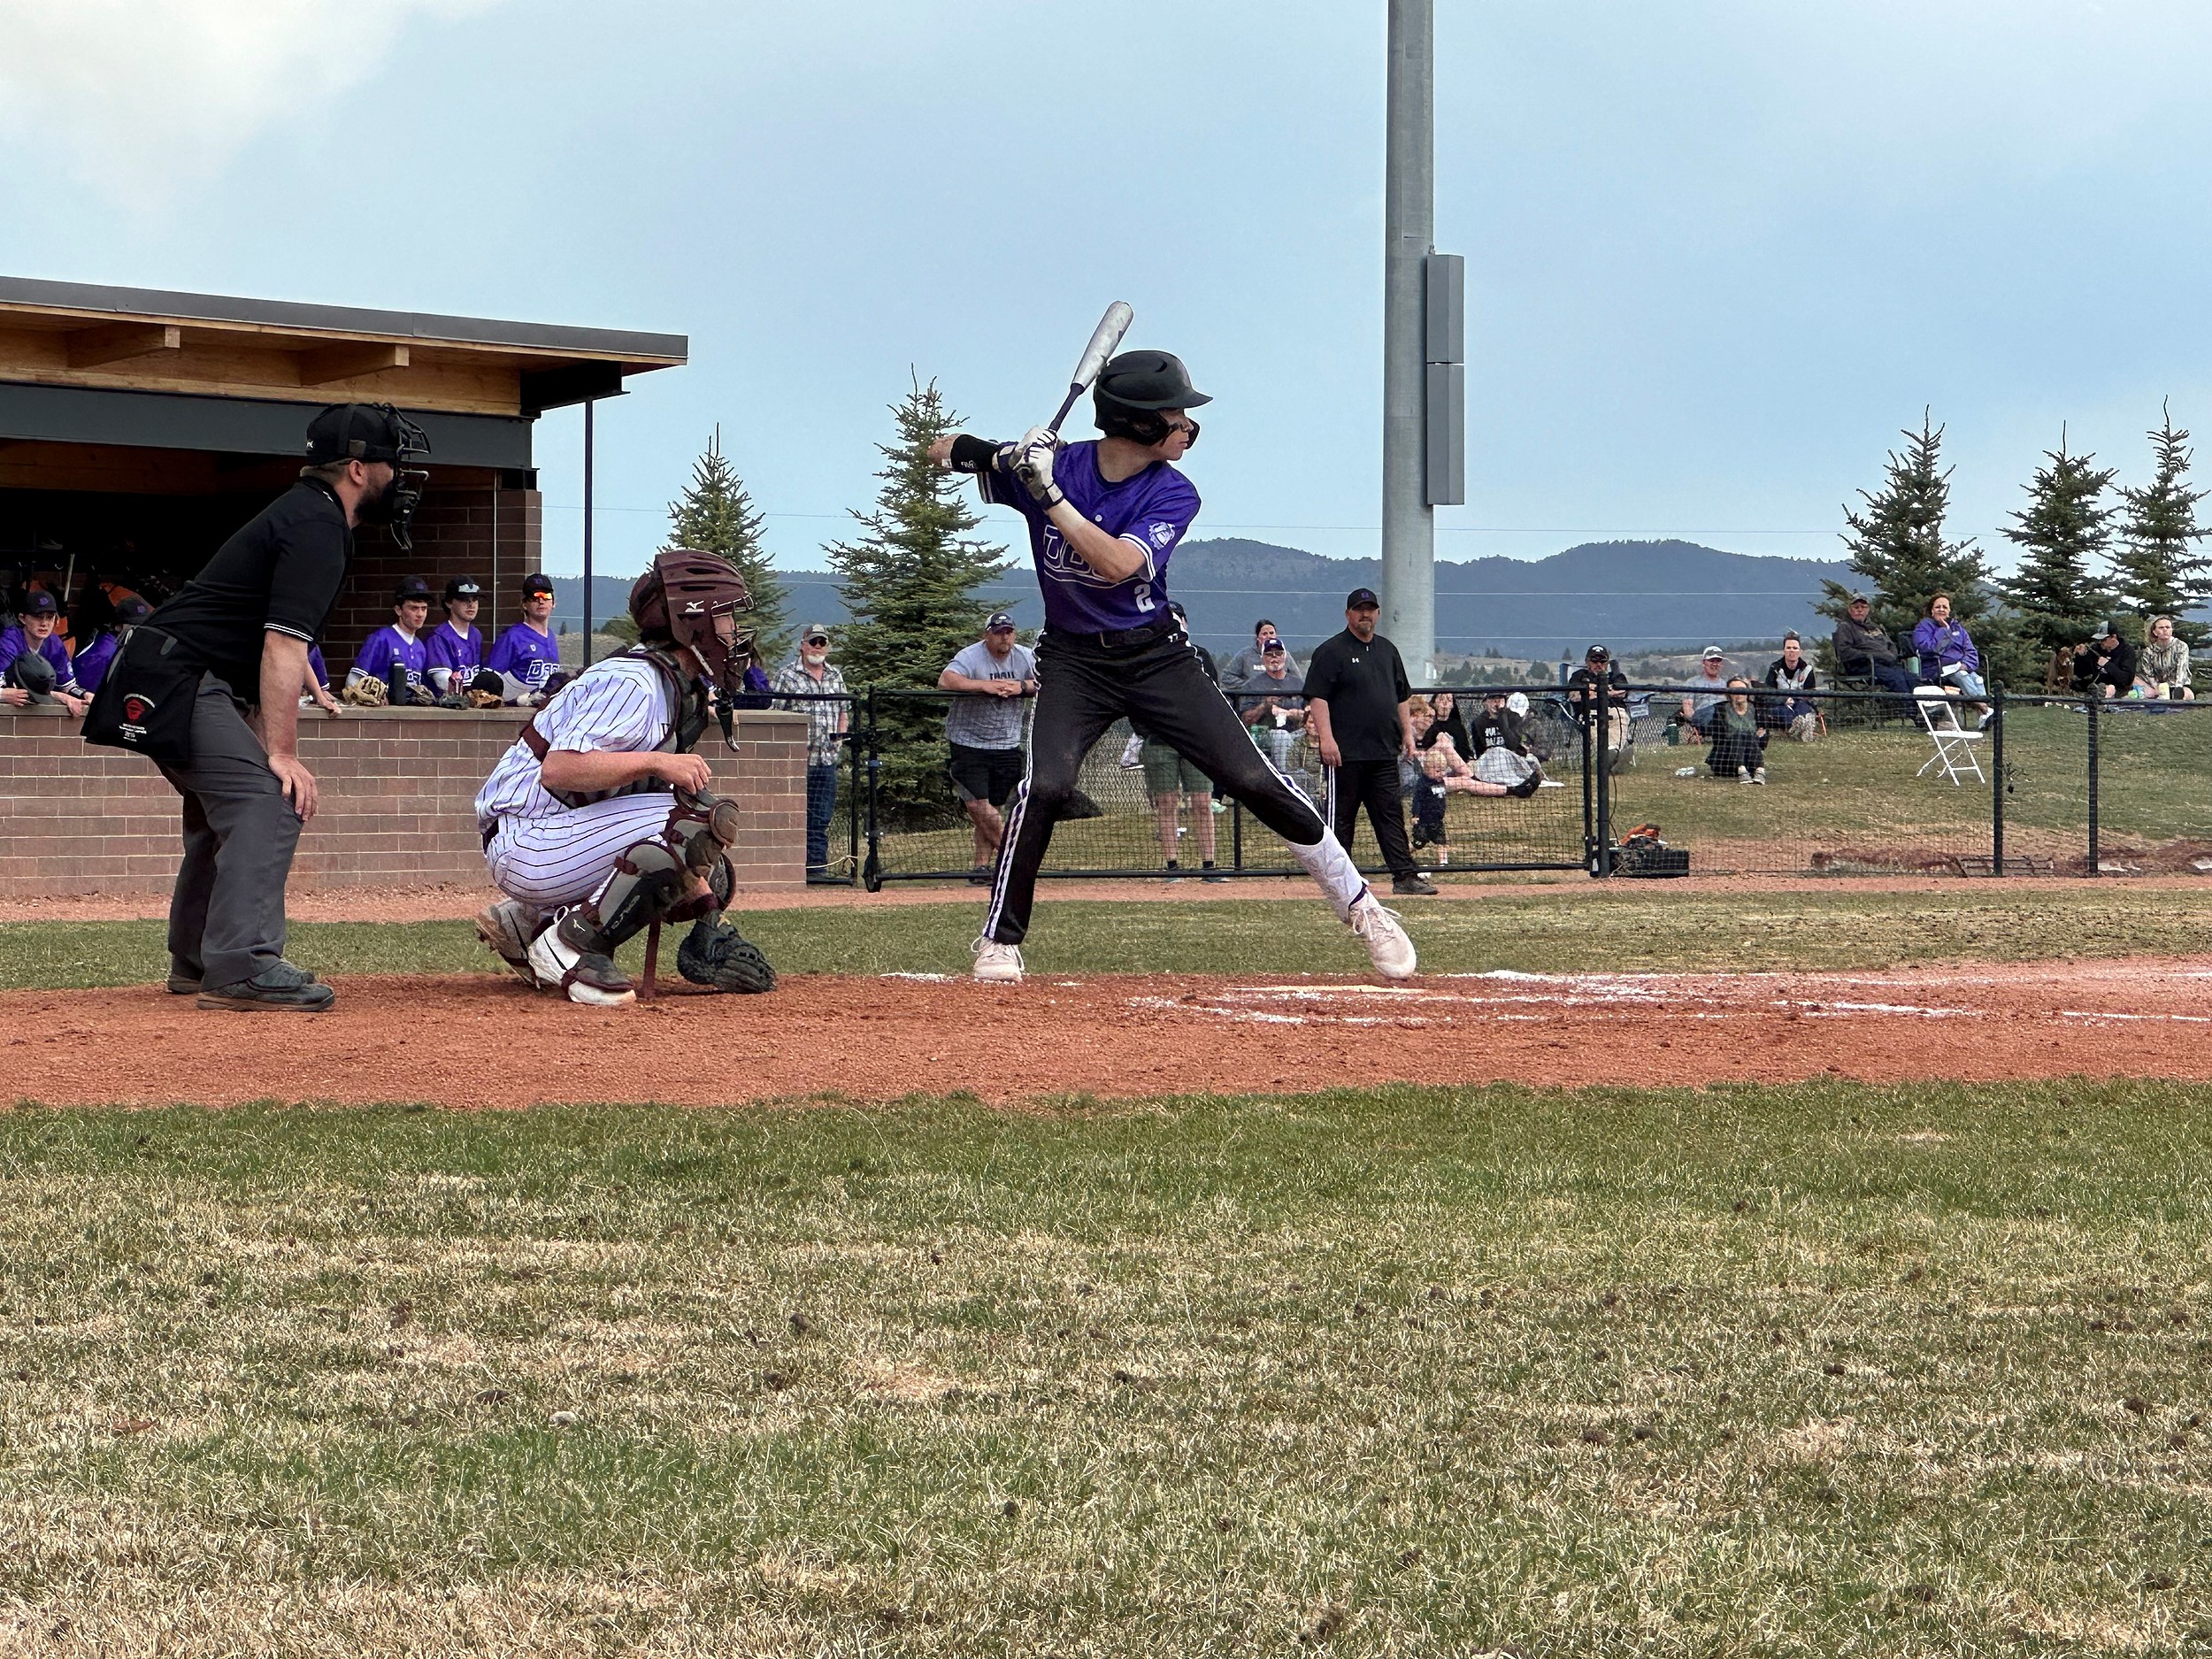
1953, 743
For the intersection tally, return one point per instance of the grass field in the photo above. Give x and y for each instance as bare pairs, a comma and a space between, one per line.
1814, 1370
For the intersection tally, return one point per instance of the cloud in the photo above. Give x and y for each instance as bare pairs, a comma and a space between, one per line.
139, 97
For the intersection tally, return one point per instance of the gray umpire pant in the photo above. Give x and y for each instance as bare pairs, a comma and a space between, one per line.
227, 913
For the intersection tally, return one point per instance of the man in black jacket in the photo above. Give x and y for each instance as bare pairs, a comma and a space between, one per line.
1864, 652
2105, 666
1356, 698
1598, 678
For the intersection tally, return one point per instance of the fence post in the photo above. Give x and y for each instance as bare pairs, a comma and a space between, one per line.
1602, 743
1997, 779
1589, 789
872, 872
2094, 860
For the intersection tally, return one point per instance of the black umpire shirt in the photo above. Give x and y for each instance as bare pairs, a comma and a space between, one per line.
1364, 682
279, 574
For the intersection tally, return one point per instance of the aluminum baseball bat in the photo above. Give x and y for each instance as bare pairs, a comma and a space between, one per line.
1104, 338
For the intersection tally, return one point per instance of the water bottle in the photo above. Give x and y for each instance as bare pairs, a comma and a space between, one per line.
395, 685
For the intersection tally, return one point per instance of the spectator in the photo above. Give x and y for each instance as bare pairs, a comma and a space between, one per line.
1582, 692
1246, 662
1501, 744
455, 651
1357, 707
1269, 706
2105, 666
1790, 674
2161, 671
395, 655
811, 676
36, 634
526, 656
1864, 652
1706, 692
984, 728
1948, 656
91, 663
1449, 724
1732, 725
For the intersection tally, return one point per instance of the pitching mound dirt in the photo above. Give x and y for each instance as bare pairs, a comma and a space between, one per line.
1114, 1036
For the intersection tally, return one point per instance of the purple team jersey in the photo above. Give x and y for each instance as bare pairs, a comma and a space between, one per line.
386, 646
92, 662
461, 653
14, 642
526, 655
1150, 511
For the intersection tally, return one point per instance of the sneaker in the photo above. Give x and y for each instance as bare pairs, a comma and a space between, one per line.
1413, 886
1525, 788
507, 928
1387, 946
587, 976
1174, 872
184, 979
1220, 806
997, 964
1210, 871
1759, 776
1554, 783
1743, 773
281, 985
981, 876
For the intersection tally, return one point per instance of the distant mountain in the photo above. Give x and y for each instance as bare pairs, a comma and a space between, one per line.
1633, 595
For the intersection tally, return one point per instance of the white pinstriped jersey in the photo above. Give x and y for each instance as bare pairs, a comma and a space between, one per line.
621, 705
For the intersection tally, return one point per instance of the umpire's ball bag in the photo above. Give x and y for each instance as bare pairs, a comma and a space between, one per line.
144, 705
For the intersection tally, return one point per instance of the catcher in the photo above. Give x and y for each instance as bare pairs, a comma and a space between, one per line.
597, 822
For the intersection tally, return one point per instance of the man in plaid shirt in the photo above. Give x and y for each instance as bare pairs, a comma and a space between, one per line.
811, 675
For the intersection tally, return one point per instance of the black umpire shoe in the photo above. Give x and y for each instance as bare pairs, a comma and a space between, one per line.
184, 977
282, 986
1414, 887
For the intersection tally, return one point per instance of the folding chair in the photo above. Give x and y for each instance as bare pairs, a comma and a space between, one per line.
1953, 743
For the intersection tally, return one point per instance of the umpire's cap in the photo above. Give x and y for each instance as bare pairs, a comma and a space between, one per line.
411, 587
360, 431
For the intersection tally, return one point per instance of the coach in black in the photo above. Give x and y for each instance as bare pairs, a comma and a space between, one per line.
234, 645
1356, 698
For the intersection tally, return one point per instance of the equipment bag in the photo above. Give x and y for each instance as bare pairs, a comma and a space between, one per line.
144, 705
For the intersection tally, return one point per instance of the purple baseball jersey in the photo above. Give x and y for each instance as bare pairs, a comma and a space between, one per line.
526, 654
14, 642
456, 653
387, 646
1150, 511
315, 666
92, 662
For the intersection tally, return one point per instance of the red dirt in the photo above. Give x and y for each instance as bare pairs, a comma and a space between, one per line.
1119, 1035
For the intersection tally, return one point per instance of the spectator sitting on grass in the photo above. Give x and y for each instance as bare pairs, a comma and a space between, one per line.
1706, 692
1501, 751
1449, 723
1948, 656
1864, 652
2162, 668
2105, 666
1789, 673
1437, 781
1739, 748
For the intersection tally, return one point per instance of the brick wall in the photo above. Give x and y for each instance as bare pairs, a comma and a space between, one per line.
395, 797
454, 533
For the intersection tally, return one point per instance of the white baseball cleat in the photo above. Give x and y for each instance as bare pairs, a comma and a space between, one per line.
506, 927
997, 964
1387, 946
584, 976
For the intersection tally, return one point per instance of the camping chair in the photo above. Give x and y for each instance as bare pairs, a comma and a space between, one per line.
1953, 743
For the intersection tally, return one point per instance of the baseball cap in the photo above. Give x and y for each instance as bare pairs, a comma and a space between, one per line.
1002, 621
132, 609
1711, 654
1361, 599
463, 587
1856, 599
2109, 628
537, 582
1271, 648
1491, 692
359, 432
38, 603
814, 631
1598, 653
411, 587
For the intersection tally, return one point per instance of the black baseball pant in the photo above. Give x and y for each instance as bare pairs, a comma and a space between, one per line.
1372, 784
1083, 685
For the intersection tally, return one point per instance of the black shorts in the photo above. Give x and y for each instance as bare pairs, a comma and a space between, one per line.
985, 774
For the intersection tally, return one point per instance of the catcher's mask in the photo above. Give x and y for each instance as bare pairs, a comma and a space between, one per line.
700, 601
376, 432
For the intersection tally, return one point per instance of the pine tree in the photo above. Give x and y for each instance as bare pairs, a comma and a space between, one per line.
2157, 567
1898, 546
909, 582
2063, 533
716, 515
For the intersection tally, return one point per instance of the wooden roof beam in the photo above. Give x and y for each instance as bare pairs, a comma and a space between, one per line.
119, 342
326, 364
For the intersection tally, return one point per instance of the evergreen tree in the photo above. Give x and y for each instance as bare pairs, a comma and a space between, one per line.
1897, 544
2156, 566
716, 515
2062, 534
909, 582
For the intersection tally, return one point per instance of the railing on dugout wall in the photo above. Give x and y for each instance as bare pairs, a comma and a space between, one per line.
2061, 785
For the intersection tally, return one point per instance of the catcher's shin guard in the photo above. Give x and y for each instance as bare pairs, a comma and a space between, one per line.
650, 879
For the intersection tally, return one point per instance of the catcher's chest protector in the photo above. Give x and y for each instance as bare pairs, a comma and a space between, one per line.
686, 694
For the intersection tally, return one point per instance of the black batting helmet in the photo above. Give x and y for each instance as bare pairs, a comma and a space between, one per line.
1133, 390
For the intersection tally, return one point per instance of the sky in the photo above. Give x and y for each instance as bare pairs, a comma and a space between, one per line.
1719, 251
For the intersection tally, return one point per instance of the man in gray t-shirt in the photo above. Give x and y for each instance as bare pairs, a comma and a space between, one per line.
984, 727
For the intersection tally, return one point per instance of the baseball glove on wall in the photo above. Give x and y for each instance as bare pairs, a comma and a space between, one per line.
365, 691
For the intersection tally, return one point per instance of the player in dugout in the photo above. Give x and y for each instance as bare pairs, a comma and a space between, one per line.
1104, 518
527, 656
454, 654
393, 660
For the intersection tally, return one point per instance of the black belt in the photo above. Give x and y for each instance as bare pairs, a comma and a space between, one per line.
1120, 639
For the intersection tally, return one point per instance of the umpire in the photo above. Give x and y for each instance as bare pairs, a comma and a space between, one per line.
209, 688
1356, 697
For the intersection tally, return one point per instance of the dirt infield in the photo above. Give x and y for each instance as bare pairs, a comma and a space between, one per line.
1117, 1036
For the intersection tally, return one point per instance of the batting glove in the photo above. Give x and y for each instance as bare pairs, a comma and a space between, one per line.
1032, 464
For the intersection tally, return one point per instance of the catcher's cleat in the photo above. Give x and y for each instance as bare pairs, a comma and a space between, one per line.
583, 976
506, 927
1387, 946
715, 953
997, 964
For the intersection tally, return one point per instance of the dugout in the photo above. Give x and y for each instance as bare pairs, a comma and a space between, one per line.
139, 429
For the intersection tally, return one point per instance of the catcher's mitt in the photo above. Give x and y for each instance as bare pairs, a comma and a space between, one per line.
716, 954
365, 691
